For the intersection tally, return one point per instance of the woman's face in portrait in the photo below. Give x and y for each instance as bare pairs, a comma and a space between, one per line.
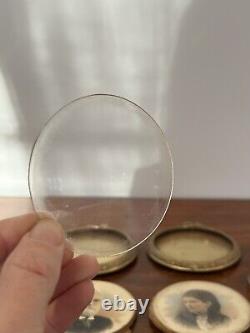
195, 306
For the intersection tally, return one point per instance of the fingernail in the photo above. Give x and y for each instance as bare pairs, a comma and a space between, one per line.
48, 232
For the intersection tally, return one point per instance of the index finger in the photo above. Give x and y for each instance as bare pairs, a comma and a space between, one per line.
12, 230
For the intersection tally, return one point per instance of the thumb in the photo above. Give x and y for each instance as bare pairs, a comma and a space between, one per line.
29, 277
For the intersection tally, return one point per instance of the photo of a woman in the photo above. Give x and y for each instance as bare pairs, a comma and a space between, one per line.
201, 309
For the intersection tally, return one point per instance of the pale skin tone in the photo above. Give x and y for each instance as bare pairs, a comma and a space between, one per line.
43, 288
195, 305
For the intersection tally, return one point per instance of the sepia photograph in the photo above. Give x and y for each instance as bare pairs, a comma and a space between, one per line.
95, 319
200, 306
201, 309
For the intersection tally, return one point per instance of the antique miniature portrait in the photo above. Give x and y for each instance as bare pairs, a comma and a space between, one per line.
201, 309
95, 319
197, 306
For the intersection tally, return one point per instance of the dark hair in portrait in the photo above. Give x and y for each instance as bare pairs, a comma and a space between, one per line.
197, 303
98, 324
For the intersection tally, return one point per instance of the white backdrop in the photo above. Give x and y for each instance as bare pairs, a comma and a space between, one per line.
187, 62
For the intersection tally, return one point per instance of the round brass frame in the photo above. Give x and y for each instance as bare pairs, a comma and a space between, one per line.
162, 310
113, 263
191, 265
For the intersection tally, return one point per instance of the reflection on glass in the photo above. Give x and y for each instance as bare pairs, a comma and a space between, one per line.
102, 161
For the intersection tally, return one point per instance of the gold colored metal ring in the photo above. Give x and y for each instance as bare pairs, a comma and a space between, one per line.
108, 263
175, 254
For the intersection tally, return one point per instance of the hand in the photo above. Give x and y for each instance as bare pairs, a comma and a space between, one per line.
42, 288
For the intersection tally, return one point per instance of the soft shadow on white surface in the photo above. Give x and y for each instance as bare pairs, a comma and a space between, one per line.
209, 101
187, 62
